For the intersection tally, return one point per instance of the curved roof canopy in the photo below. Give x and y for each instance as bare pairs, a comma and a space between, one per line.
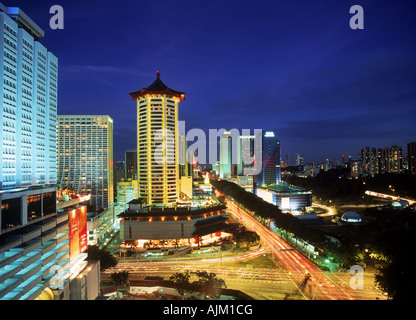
351, 216
158, 87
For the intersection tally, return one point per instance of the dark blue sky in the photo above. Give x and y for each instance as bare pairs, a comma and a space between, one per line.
294, 66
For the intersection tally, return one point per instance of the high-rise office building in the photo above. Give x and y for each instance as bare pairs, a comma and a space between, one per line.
411, 157
246, 155
28, 103
130, 162
287, 162
225, 146
185, 157
271, 172
299, 159
157, 142
85, 156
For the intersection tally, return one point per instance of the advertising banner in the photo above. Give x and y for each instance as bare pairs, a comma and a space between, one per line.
78, 241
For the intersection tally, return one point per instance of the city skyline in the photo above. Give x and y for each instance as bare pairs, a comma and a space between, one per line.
297, 68
79, 223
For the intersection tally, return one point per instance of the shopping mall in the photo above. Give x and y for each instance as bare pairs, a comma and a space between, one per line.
173, 226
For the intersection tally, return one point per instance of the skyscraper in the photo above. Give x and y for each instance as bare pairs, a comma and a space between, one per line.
157, 142
244, 154
85, 156
411, 155
270, 173
394, 159
130, 162
378, 160
28, 103
225, 146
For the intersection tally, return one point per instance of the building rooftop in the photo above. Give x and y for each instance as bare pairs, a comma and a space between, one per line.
284, 187
158, 87
138, 201
23, 20
176, 211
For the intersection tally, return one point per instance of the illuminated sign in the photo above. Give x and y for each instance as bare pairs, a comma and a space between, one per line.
78, 241
269, 134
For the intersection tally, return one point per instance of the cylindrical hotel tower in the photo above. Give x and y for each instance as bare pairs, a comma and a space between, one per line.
157, 142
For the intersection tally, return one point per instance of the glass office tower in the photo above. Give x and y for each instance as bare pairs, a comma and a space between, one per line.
270, 173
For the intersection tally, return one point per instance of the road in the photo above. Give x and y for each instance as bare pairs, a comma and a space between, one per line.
298, 267
331, 211
259, 283
269, 283
388, 196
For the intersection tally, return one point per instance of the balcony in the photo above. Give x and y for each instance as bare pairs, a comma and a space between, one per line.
48, 235
9, 285
10, 242
9, 271
29, 284
28, 259
29, 272
8, 257
28, 247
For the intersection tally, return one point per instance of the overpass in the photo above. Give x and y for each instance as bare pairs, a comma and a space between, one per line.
388, 196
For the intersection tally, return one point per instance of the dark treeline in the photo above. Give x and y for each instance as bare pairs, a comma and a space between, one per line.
336, 186
266, 210
388, 235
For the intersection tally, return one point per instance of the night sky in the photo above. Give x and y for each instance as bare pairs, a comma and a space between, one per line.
293, 66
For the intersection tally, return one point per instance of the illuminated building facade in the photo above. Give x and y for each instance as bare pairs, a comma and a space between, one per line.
28, 103
85, 156
130, 163
157, 142
127, 190
271, 171
225, 164
42, 245
245, 150
285, 196
394, 159
150, 223
381, 160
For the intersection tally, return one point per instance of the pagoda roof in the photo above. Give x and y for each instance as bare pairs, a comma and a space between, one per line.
158, 87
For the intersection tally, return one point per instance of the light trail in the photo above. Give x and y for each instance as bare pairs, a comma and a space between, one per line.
296, 264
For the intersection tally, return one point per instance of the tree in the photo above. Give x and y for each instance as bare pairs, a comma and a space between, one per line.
397, 276
247, 236
209, 283
107, 260
182, 283
120, 278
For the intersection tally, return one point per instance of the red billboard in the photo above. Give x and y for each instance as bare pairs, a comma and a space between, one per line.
78, 241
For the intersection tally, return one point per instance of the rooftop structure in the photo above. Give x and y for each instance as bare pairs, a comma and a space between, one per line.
285, 196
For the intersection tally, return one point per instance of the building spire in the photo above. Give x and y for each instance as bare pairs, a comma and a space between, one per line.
158, 74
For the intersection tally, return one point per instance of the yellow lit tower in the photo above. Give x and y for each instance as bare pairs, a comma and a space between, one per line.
157, 142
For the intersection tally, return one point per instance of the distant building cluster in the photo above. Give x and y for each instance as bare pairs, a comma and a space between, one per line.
370, 162
61, 190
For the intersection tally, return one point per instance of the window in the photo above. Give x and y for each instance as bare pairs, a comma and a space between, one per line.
34, 207
10, 213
